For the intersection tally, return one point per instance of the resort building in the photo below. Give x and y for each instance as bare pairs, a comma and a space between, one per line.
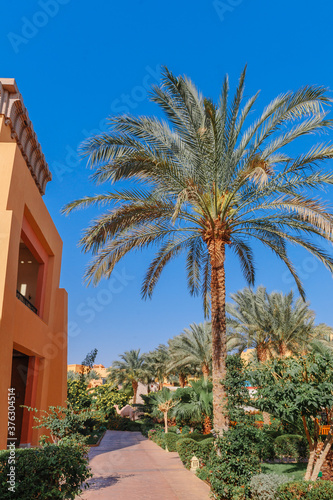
33, 309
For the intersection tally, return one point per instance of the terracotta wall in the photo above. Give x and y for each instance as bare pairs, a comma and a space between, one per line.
42, 338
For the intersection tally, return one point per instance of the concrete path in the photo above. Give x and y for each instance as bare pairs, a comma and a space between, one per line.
127, 466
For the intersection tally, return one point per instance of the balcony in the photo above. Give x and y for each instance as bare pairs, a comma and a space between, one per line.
26, 302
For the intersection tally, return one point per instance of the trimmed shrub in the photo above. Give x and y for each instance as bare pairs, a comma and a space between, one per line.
171, 440
291, 445
322, 490
53, 471
307, 490
173, 429
265, 486
187, 448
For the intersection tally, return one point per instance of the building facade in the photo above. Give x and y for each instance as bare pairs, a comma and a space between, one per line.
33, 309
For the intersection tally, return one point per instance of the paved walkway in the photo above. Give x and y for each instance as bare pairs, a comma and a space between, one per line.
127, 466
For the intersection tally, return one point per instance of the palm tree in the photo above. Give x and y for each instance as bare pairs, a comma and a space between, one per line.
129, 370
192, 348
249, 324
204, 182
160, 404
272, 324
156, 364
196, 402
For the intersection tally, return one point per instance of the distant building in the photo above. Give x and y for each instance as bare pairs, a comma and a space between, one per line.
99, 369
33, 309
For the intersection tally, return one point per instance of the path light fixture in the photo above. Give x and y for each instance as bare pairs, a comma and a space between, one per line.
194, 464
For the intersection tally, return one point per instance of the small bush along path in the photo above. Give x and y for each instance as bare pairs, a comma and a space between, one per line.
126, 465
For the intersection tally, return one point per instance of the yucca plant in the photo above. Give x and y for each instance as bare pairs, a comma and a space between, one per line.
203, 182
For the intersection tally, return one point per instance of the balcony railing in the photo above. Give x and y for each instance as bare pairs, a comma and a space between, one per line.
26, 302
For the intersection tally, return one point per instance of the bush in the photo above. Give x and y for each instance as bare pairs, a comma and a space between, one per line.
291, 446
307, 490
54, 472
265, 486
117, 423
171, 440
106, 396
187, 448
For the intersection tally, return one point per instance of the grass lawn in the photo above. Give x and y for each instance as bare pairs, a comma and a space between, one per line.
296, 470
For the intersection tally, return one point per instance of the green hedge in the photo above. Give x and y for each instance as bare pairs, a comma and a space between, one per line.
291, 445
307, 490
187, 448
50, 472
171, 440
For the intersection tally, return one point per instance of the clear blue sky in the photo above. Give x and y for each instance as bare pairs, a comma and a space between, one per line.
77, 62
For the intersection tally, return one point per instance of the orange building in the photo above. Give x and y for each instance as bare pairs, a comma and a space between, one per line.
33, 309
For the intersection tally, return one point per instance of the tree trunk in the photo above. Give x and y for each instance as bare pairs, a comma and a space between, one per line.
266, 417
165, 414
321, 459
135, 390
205, 371
282, 349
182, 380
216, 250
312, 447
262, 352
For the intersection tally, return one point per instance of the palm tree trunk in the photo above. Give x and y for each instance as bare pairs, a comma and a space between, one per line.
165, 414
205, 371
282, 349
216, 250
261, 352
135, 390
182, 380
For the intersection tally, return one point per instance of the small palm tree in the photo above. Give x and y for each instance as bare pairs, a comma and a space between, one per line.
160, 404
192, 348
196, 402
129, 370
205, 182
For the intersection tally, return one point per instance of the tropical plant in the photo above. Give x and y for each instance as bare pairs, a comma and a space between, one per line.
156, 364
271, 324
195, 402
160, 403
130, 369
192, 348
292, 388
248, 322
203, 183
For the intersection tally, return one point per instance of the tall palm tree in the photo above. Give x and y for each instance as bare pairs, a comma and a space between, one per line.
203, 182
192, 348
129, 370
